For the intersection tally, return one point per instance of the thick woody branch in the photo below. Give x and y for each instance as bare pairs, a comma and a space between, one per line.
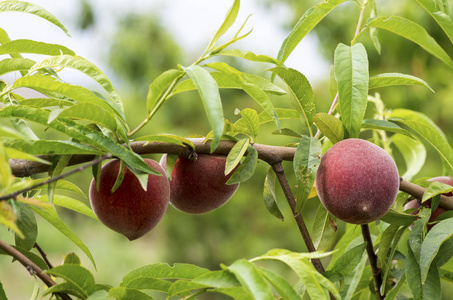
30, 266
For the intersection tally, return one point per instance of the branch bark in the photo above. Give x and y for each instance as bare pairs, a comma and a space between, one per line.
31, 266
372, 258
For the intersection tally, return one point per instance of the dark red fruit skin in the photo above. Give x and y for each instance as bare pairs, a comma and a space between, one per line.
199, 186
130, 210
357, 181
439, 210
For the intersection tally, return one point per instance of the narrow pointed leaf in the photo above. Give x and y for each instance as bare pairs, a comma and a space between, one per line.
413, 32
250, 121
384, 125
210, 96
440, 15
330, 126
413, 152
306, 23
323, 234
249, 56
235, 155
305, 164
300, 87
247, 167
50, 215
44, 147
159, 85
433, 241
391, 79
270, 200
33, 47
15, 64
285, 290
26, 222
31, 8
250, 278
84, 66
346, 263
351, 74
227, 22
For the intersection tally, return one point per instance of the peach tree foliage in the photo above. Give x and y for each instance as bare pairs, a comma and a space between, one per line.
385, 261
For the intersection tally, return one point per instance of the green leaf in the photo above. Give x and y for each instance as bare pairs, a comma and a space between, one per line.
31, 8
305, 165
2, 293
249, 56
270, 200
330, 126
46, 147
15, 64
6, 178
300, 87
235, 155
282, 114
159, 86
70, 203
62, 185
52, 87
287, 132
384, 125
88, 68
87, 112
149, 283
352, 237
384, 245
323, 234
306, 23
425, 128
209, 93
351, 74
358, 281
433, 241
33, 47
17, 154
440, 15
166, 138
251, 279
82, 133
72, 258
26, 222
413, 152
79, 277
31, 256
436, 188
248, 86
227, 22
391, 79
226, 81
280, 284
413, 32
164, 271
250, 121
316, 285
346, 263
122, 293
247, 167
10, 132
386, 267
51, 216
397, 218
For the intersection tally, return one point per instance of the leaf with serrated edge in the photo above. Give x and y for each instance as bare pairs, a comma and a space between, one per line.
236, 153
330, 126
15, 64
442, 18
351, 74
306, 23
210, 96
33, 47
430, 246
413, 32
31, 8
391, 79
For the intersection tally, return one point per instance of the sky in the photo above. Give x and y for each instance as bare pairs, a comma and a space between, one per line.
191, 22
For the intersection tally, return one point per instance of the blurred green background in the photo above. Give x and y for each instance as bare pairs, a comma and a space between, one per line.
139, 47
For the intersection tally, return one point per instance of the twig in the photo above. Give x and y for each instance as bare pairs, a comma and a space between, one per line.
31, 266
43, 255
279, 171
73, 171
373, 260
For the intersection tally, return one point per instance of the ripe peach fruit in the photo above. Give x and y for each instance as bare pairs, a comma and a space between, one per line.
439, 210
199, 186
130, 210
357, 181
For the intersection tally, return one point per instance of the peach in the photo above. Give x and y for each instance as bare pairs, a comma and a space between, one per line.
357, 181
130, 210
199, 186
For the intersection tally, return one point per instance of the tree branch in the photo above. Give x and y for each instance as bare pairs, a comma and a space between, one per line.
373, 260
31, 266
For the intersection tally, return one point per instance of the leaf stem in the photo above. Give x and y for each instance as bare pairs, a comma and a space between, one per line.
375, 270
43, 255
31, 266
